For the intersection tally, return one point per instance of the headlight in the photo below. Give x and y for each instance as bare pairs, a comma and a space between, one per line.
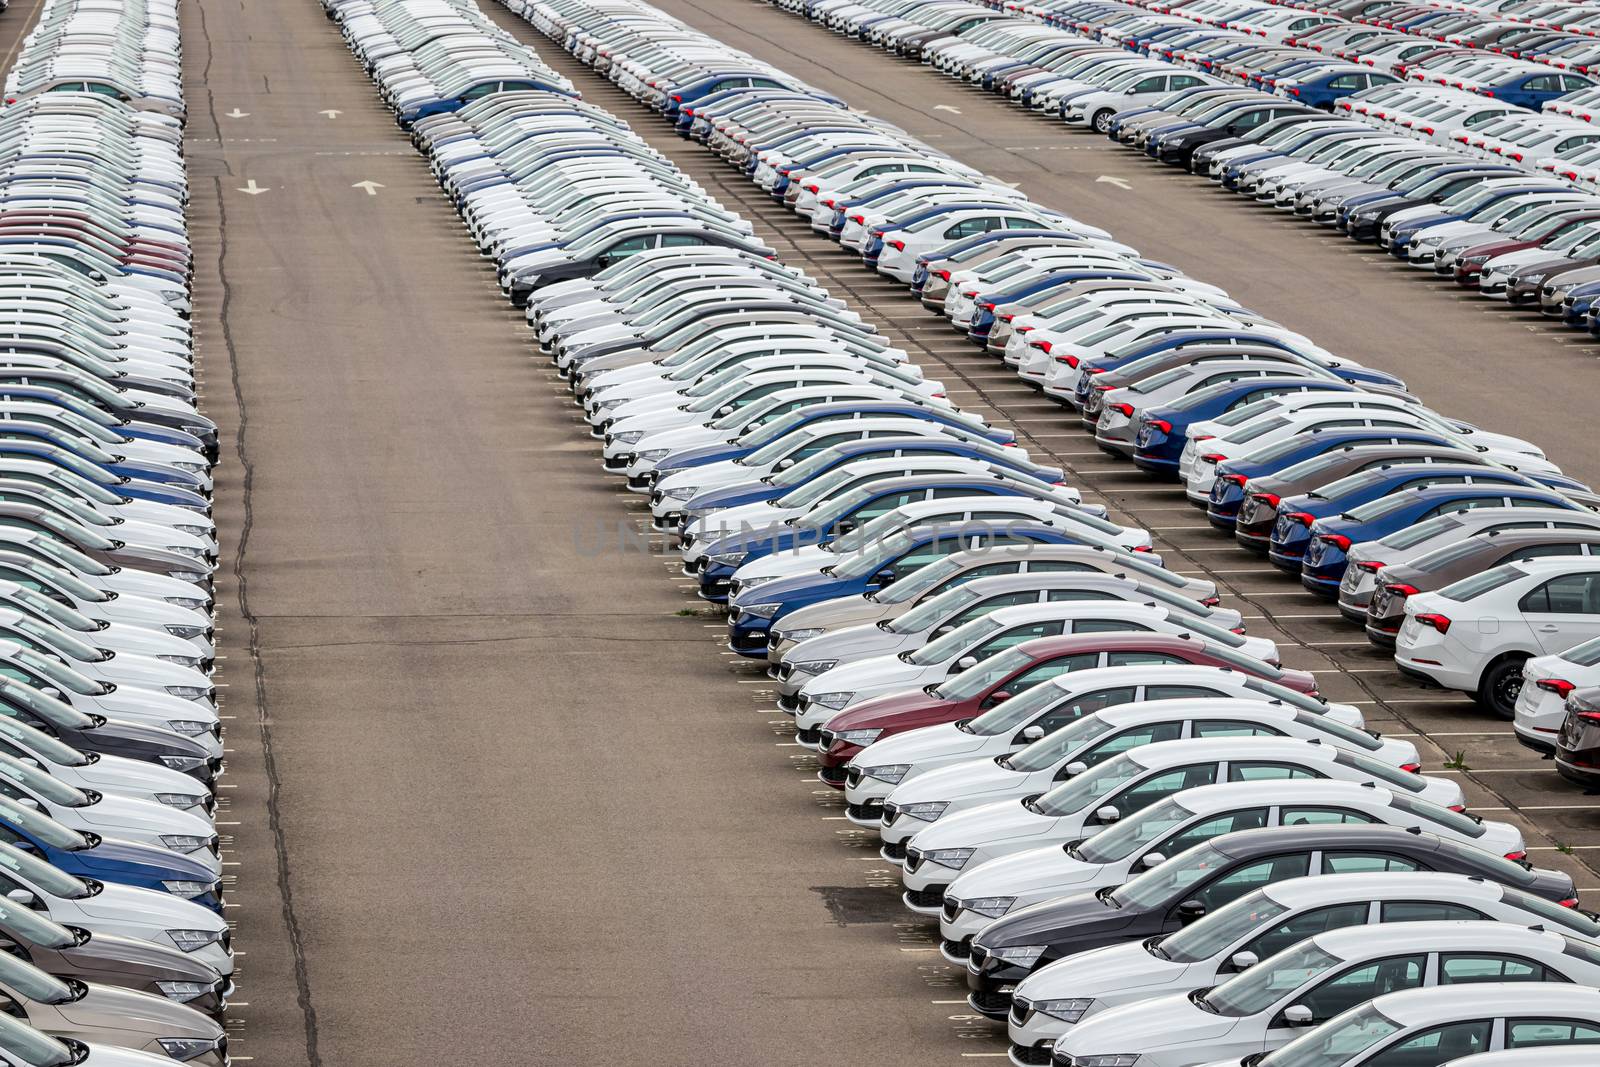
188, 727
193, 940
186, 551
1068, 1011
192, 603
653, 455
182, 763
187, 576
837, 701
184, 842
188, 633
761, 611
993, 907
1115, 1059
1017, 955
727, 559
954, 858
172, 297
815, 666
195, 531
192, 662
183, 992
928, 811
628, 437
189, 692
180, 800
187, 1048
182, 888
890, 772
858, 737
682, 492
760, 579
803, 635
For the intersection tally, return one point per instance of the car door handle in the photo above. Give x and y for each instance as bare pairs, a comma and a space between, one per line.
1548, 629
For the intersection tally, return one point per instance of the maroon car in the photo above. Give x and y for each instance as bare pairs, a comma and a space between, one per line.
1469, 264
1007, 673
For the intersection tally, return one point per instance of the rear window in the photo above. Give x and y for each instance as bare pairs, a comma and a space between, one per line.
1465, 825
1584, 655
1479, 584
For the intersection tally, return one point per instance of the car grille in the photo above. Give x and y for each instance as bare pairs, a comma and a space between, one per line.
832, 775
784, 669
749, 642
826, 738
914, 860
1033, 1055
808, 736
976, 958
951, 909
986, 1000
852, 775
893, 849
869, 811
926, 898
1020, 1007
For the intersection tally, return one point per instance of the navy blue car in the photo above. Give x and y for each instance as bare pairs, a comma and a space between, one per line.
1164, 431
1291, 530
136, 488
1227, 490
1187, 338
871, 570
1330, 538
87, 855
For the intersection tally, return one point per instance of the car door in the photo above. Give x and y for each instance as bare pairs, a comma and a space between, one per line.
1143, 792
1563, 611
1534, 1032
1118, 743
1346, 988
1295, 929
1435, 1045
1032, 676
1207, 896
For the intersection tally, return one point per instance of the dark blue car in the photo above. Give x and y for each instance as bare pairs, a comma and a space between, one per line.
1227, 490
869, 571
135, 488
1291, 531
1331, 538
87, 855
1164, 431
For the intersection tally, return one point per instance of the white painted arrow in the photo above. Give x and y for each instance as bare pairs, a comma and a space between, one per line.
371, 187
947, 107
253, 189
332, 114
1120, 183
237, 114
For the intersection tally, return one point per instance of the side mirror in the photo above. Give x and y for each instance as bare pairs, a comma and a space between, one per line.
785, 464
883, 577
1190, 910
1243, 961
997, 697
1297, 1015
52, 692
844, 526
966, 661
28, 802
96, 276
21, 896
726, 409
1107, 814
1152, 860
1032, 733
1076, 767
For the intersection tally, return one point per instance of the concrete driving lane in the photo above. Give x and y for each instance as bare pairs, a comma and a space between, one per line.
517, 808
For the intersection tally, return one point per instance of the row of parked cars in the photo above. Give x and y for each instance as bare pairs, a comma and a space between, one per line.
116, 951
921, 588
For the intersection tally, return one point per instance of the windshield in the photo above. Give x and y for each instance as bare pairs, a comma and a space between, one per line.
41, 826
1265, 984
974, 680
31, 982
58, 673
956, 641
1083, 790
51, 879
41, 784
32, 1048
1336, 1042
866, 563
933, 610
45, 707
817, 488
778, 448
58, 641
1058, 745
1422, 531
1155, 887
1216, 931
1479, 584
28, 925
1133, 833
32, 742
1584, 655
921, 580
1012, 713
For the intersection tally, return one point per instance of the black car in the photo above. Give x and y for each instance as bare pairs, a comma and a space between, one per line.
1181, 890
1578, 743
1178, 148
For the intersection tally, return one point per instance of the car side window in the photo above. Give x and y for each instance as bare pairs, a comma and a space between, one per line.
1466, 504
1535, 551
1426, 911
1529, 1033
1308, 924
682, 240
1140, 659
1441, 1044
1016, 636
1363, 982
1346, 83
994, 603
1041, 672
1120, 743
1464, 968
1569, 594
1267, 772
1252, 876
1105, 626
1189, 836
1059, 595
1142, 794
1057, 566
1226, 728
1178, 692
1296, 816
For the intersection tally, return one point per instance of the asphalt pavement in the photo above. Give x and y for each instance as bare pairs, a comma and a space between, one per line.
499, 794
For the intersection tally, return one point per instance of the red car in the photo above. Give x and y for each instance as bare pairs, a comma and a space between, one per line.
1007, 673
1469, 264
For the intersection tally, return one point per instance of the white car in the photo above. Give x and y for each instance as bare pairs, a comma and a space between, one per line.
1541, 705
1183, 820
848, 684
1061, 728
101, 773
1094, 109
1423, 1026
1056, 998
1126, 785
25, 1046
109, 814
1320, 978
1474, 635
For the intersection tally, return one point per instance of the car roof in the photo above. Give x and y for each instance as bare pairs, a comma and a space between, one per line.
1040, 647
1330, 888
1199, 749
1225, 795
1436, 936
1419, 1007
1258, 707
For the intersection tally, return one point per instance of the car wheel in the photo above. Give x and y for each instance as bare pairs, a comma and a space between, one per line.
1499, 688
1102, 121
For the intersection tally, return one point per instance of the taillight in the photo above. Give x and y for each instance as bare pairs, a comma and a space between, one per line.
1211, 601
1071, 361
1339, 541
1143, 548
1236, 479
1202, 437
859, 219
1161, 424
898, 246
1559, 686
1371, 566
1414, 768
813, 188
1304, 518
1569, 902
1402, 589
1212, 457
1459, 809
944, 275
1043, 346
1435, 620
1517, 856
988, 306
677, 98
1125, 409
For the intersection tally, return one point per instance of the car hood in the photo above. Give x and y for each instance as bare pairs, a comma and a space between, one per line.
1055, 922
117, 774
113, 857
987, 824
142, 1013
1112, 969
971, 780
876, 672
116, 814
946, 741
1146, 1026
134, 956
117, 904
844, 611
813, 586
1035, 874
853, 643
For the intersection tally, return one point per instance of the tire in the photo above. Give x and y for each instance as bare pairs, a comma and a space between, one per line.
1102, 121
1499, 687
